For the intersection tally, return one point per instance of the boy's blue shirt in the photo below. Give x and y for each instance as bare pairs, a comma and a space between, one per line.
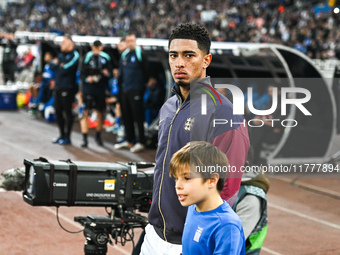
218, 231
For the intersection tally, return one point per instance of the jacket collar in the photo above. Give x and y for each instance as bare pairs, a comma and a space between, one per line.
176, 89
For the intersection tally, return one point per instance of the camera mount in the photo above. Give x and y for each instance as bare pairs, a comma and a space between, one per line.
100, 229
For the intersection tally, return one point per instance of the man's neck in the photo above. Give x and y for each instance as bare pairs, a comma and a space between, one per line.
186, 89
184, 92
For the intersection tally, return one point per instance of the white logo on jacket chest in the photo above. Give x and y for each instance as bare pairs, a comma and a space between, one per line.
189, 123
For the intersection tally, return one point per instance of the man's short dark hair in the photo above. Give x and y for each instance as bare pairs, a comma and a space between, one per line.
131, 33
97, 43
192, 31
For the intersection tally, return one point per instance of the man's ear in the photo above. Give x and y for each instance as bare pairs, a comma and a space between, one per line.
213, 180
207, 60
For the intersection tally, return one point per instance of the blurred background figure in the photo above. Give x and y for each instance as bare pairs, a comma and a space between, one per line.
95, 75
132, 79
24, 66
155, 93
113, 98
251, 207
113, 105
268, 131
42, 92
34, 91
9, 56
65, 88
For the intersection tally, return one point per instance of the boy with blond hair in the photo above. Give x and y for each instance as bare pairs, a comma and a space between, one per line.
211, 226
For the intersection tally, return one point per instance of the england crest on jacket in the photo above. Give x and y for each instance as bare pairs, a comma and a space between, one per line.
188, 124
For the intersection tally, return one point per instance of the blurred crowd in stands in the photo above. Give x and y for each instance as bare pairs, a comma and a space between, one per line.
309, 26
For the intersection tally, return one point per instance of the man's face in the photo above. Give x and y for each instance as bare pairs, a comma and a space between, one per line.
122, 46
96, 50
131, 41
66, 45
115, 72
48, 57
187, 61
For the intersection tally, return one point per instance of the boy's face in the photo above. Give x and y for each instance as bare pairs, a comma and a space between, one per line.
187, 61
190, 188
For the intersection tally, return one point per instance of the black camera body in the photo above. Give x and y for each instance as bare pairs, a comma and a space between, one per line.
81, 183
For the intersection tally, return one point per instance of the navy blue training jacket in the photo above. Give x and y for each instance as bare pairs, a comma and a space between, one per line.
94, 65
182, 122
66, 70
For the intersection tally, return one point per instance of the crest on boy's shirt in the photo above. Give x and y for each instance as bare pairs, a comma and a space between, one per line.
189, 123
198, 233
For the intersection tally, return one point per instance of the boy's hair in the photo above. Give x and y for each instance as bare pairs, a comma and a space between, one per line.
199, 154
195, 32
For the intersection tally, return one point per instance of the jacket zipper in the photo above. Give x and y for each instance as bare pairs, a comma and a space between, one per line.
161, 184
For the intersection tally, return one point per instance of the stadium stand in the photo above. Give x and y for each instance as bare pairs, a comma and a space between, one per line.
309, 26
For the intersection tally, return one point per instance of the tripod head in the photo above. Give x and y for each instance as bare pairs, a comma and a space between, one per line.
99, 228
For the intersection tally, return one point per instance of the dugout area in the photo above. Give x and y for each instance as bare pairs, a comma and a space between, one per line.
309, 142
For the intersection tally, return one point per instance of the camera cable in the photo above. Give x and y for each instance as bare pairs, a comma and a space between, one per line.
68, 231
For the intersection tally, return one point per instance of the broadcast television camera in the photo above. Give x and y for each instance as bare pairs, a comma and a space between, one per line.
119, 185
81, 183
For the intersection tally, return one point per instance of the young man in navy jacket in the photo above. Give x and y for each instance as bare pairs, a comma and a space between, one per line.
189, 57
